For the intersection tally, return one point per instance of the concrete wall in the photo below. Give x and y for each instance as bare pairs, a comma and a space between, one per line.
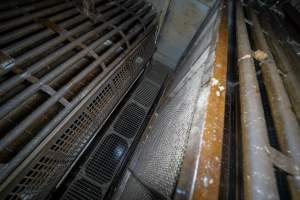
182, 21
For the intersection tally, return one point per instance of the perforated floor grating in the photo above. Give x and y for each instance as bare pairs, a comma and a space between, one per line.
130, 120
84, 190
106, 158
143, 94
108, 155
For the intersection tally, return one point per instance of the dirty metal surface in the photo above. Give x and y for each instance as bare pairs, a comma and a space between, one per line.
69, 73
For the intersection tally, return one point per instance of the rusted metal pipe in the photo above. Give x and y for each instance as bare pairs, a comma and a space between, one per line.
290, 79
258, 175
285, 63
287, 127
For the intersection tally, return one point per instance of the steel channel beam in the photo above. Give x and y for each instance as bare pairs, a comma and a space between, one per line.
258, 175
209, 168
61, 116
287, 127
189, 180
33, 88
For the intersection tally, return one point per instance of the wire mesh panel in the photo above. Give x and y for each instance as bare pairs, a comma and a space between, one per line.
62, 73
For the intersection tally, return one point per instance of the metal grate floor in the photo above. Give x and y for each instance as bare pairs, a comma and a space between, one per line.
109, 154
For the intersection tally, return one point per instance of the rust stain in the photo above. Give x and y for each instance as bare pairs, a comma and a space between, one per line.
209, 168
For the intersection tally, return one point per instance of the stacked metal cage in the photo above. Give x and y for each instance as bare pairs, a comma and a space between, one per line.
62, 74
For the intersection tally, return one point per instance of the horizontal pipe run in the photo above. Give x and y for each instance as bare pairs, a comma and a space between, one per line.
35, 51
11, 36
27, 18
13, 3
13, 48
37, 140
258, 175
11, 12
12, 82
7, 107
21, 44
18, 130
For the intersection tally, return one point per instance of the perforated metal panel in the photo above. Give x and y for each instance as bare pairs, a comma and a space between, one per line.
105, 160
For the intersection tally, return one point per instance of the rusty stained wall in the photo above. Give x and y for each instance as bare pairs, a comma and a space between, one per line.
183, 19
